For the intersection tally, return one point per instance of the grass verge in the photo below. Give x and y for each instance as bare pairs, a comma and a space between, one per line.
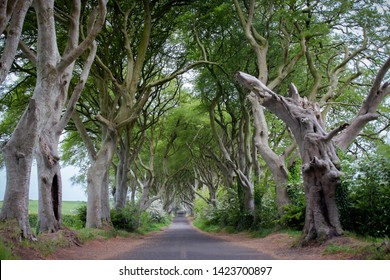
12, 247
361, 248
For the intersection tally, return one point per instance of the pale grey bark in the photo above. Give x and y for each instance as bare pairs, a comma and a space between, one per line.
46, 124
275, 163
98, 213
44, 93
49, 182
320, 163
12, 14
260, 45
122, 179
49, 176
368, 111
18, 157
47, 154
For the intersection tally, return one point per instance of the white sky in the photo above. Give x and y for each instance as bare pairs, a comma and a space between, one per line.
69, 192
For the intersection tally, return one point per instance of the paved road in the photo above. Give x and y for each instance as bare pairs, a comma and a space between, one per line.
180, 241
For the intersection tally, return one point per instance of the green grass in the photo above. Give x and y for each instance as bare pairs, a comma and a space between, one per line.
9, 231
68, 207
153, 227
46, 244
6, 252
367, 252
203, 225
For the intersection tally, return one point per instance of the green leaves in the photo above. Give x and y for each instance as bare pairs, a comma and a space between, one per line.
368, 184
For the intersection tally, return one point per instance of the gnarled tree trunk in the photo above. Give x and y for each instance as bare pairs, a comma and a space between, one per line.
320, 163
319, 159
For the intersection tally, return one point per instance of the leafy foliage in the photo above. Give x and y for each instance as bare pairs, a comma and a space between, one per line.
228, 213
126, 218
294, 213
131, 219
368, 183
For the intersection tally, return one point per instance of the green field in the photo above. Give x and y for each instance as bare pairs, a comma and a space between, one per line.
68, 207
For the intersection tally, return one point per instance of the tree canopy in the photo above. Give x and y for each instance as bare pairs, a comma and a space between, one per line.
146, 99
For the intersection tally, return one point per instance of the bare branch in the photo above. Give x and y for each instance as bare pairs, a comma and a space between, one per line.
13, 34
179, 72
335, 131
6, 11
73, 35
110, 125
78, 89
29, 53
84, 135
83, 46
367, 112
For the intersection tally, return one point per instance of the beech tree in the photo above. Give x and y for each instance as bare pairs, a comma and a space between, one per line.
320, 162
42, 122
12, 15
127, 80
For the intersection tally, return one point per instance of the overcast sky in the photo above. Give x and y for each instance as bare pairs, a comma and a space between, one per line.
69, 192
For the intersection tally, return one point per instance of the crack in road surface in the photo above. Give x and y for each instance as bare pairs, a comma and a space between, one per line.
181, 241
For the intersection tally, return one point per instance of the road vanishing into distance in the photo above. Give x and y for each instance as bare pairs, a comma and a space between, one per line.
181, 241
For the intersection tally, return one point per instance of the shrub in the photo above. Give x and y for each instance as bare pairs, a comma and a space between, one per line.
127, 218
72, 221
228, 213
294, 213
266, 215
6, 252
33, 219
368, 184
81, 214
293, 216
156, 213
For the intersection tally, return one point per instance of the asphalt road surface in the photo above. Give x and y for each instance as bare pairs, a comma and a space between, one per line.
180, 241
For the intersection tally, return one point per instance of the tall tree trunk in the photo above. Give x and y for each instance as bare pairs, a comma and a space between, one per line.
98, 211
11, 25
53, 76
319, 159
274, 162
49, 184
49, 169
125, 156
245, 163
19, 150
18, 157
122, 179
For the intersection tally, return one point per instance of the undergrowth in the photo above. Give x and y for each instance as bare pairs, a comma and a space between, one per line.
11, 244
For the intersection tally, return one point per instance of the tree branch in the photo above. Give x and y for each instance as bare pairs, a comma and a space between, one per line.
29, 53
179, 72
110, 125
13, 33
7, 8
78, 89
83, 46
84, 135
367, 112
